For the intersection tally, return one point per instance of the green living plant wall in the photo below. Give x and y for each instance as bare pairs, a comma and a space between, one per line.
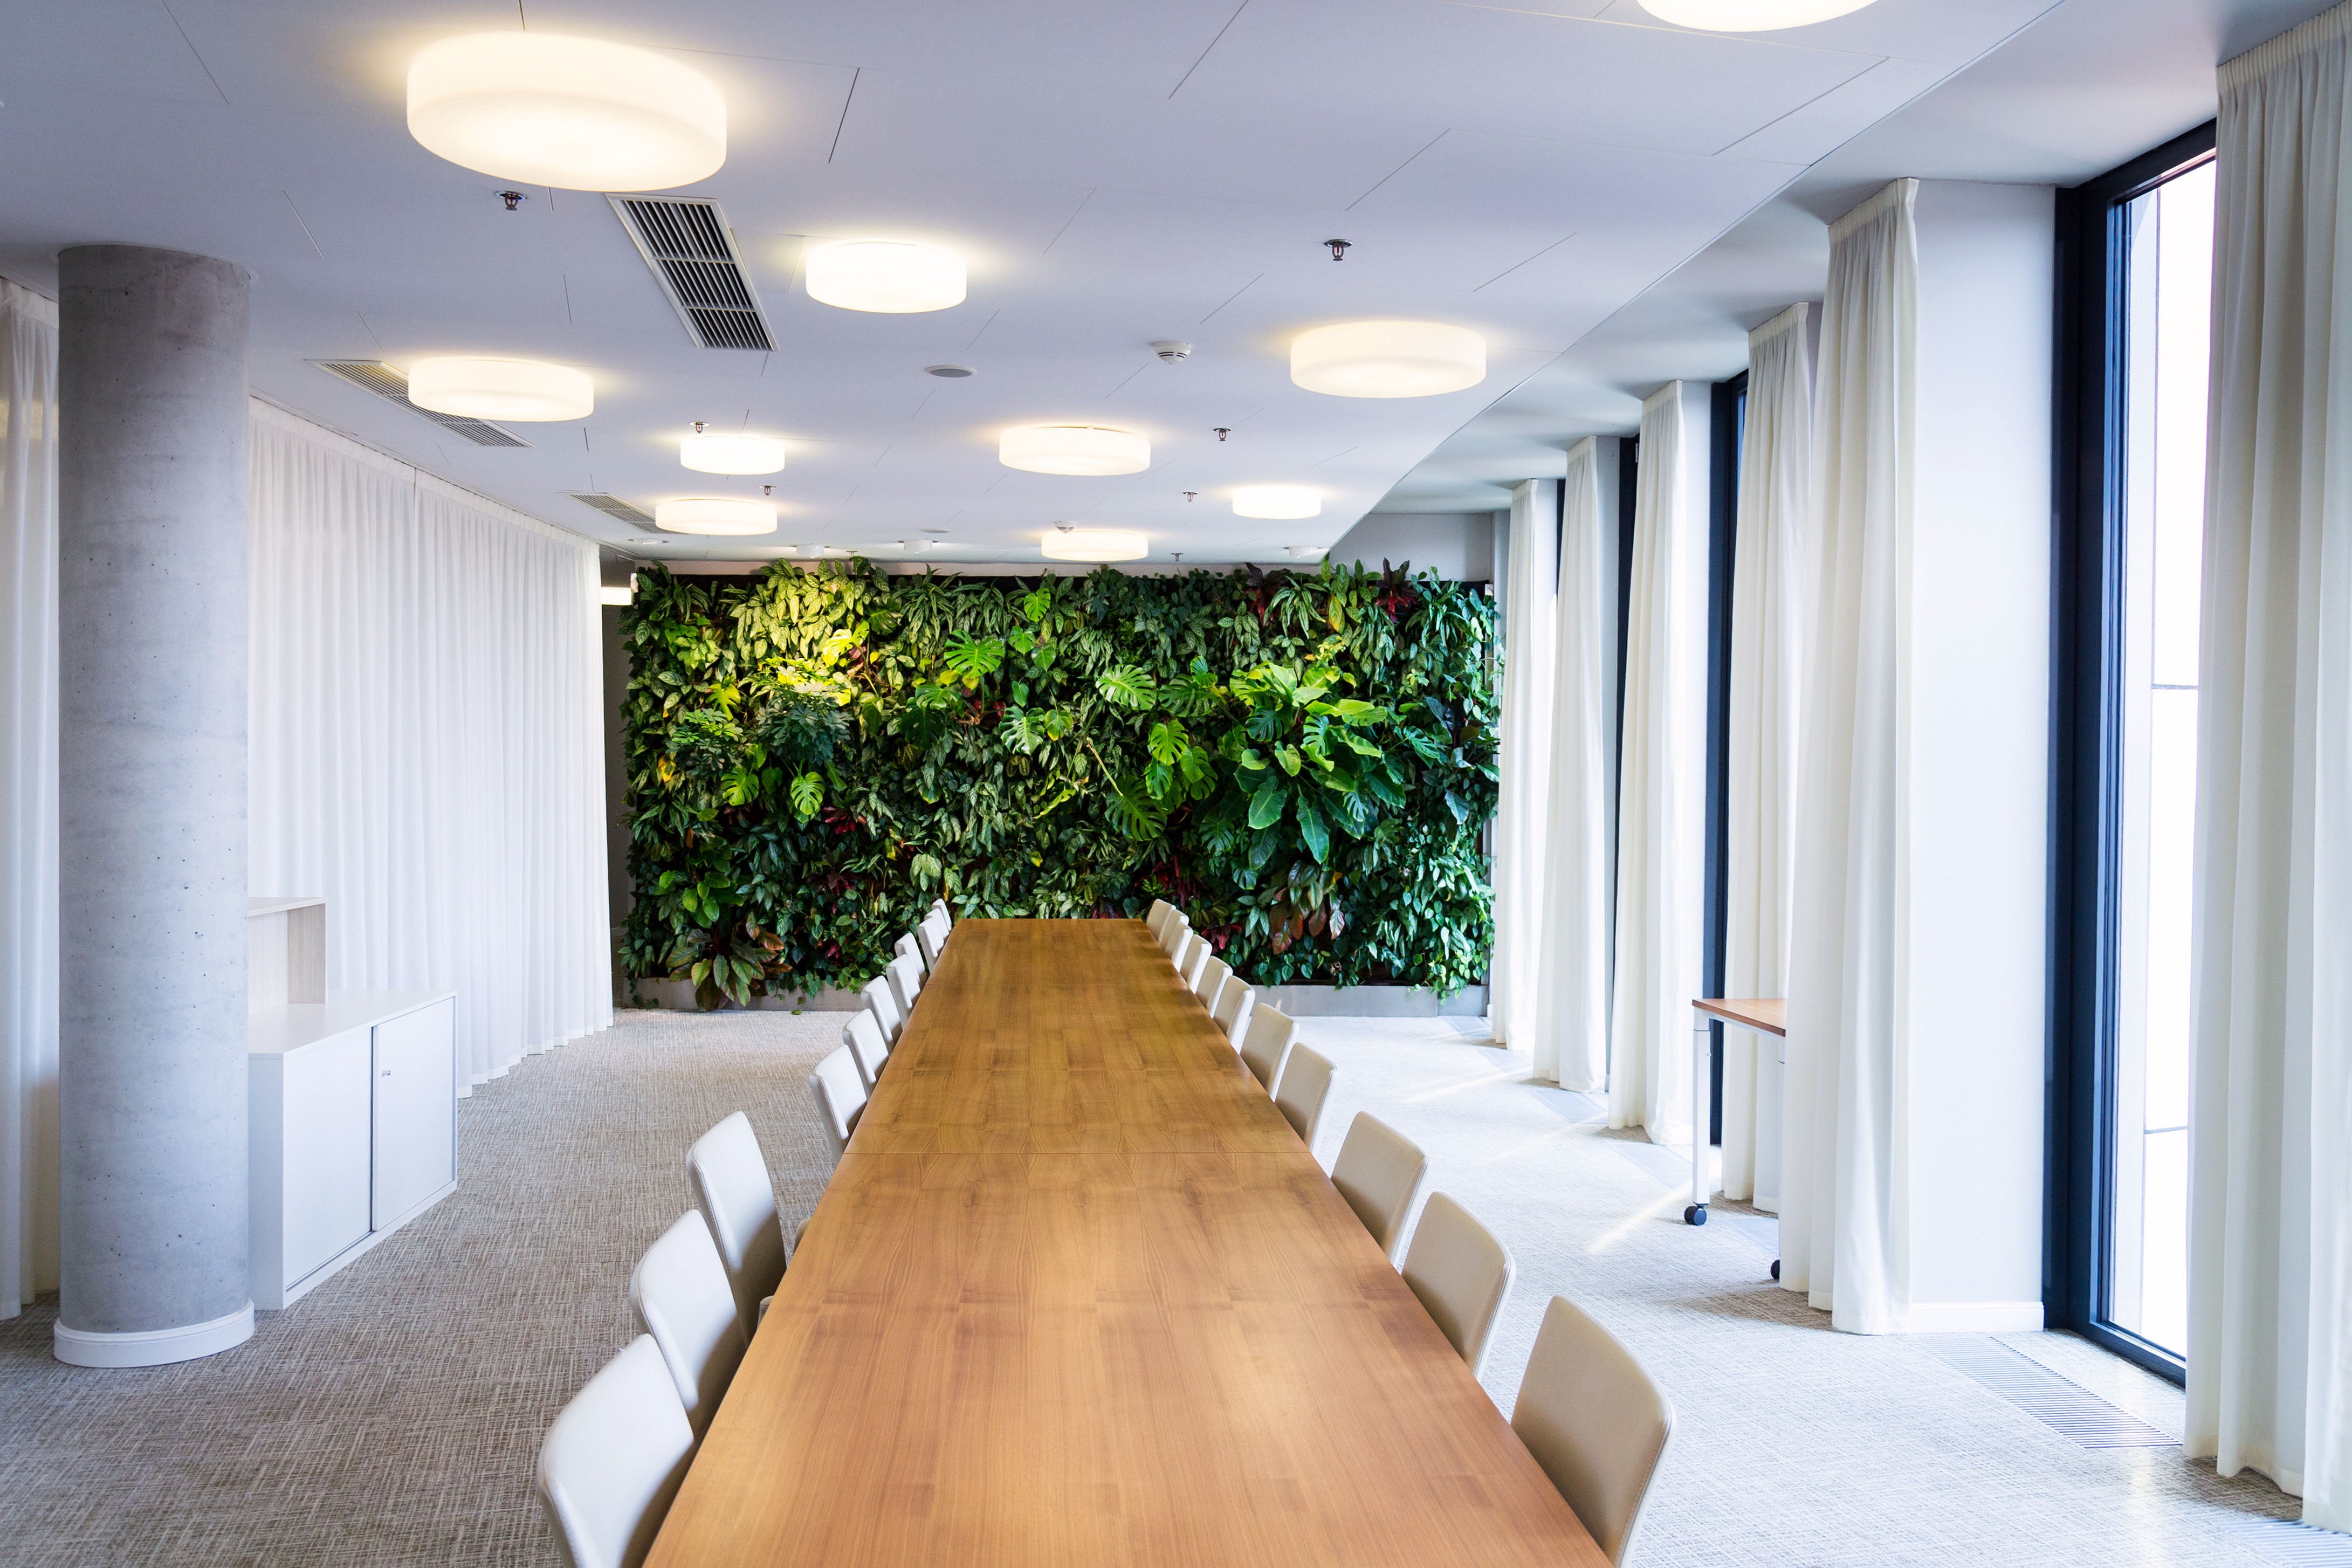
1302, 763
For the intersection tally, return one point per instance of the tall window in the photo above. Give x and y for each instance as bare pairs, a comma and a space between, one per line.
2136, 261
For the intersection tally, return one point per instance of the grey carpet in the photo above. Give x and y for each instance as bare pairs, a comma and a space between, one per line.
393, 1416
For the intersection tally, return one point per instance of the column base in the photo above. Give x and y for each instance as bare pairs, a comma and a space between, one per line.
152, 1347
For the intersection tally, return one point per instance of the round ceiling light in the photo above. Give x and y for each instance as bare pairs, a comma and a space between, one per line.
1388, 359
1067, 543
1278, 501
713, 454
884, 275
517, 389
715, 514
577, 114
1748, 16
1088, 449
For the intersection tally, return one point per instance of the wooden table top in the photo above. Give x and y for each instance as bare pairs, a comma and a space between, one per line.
1766, 1015
1077, 1297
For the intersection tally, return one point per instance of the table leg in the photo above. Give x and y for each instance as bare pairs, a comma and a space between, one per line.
1702, 1075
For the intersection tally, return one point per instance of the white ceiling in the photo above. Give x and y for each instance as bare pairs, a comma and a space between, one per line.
1116, 170
2088, 84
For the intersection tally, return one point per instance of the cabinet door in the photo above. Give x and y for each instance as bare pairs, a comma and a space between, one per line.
415, 1109
326, 1128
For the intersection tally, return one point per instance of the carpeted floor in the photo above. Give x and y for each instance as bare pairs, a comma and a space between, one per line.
392, 1416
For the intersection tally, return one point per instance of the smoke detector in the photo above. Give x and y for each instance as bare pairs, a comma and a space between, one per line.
1170, 351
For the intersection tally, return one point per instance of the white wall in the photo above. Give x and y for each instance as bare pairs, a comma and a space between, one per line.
1459, 546
1976, 758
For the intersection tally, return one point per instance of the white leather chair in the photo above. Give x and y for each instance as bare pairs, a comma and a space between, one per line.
1267, 1043
907, 947
1595, 1421
1460, 1273
1157, 916
1300, 1091
1189, 959
905, 984
882, 1001
840, 1097
731, 1187
1210, 983
1174, 933
868, 1049
939, 908
933, 936
683, 1297
1233, 1009
612, 1461
1380, 1172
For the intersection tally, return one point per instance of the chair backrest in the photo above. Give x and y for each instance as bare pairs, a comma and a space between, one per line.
939, 908
882, 1001
932, 934
906, 983
1300, 1091
840, 1097
683, 1297
907, 947
1158, 916
1173, 933
1267, 1041
1380, 1172
1210, 982
867, 1049
1460, 1272
612, 1461
731, 1184
1191, 957
1233, 1009
1595, 1421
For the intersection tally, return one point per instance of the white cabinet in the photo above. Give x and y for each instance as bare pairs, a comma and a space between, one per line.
352, 1128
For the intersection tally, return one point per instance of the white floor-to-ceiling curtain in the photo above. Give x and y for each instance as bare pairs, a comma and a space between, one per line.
1776, 457
1661, 819
2270, 1305
1838, 1210
1571, 1041
1532, 568
29, 797
426, 748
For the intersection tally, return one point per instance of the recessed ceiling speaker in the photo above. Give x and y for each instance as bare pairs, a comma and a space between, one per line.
949, 372
581, 114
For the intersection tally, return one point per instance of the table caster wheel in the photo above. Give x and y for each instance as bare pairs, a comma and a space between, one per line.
1776, 1269
1694, 1215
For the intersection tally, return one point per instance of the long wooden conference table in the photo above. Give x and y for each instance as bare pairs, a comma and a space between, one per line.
1078, 1296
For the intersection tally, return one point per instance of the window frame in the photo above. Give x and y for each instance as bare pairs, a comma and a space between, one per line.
2087, 625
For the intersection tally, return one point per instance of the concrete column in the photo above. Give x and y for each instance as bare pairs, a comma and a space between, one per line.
152, 832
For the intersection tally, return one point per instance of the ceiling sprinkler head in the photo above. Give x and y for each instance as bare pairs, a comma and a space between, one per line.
697, 427
1170, 351
1222, 431
1191, 495
766, 490
514, 199
1176, 555
1340, 249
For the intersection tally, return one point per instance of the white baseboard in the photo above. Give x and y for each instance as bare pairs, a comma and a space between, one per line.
152, 1347
335, 1264
1973, 1318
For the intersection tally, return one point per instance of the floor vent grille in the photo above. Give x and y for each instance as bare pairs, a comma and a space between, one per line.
2065, 1407
612, 507
2297, 1545
392, 386
687, 242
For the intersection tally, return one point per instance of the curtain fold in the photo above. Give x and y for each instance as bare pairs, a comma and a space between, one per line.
1529, 586
1661, 826
1571, 1041
1776, 457
28, 797
1838, 1216
2270, 1347
426, 739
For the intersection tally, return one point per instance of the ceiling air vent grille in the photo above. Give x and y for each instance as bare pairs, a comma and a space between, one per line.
390, 384
687, 242
612, 507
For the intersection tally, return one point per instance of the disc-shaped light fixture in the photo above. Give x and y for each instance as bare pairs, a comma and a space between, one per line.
717, 454
542, 108
521, 390
1278, 501
1748, 16
1067, 543
715, 514
1074, 449
1388, 359
885, 275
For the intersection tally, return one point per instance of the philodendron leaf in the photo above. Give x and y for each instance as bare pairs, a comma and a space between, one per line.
808, 796
1288, 757
1127, 686
1311, 829
1265, 807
